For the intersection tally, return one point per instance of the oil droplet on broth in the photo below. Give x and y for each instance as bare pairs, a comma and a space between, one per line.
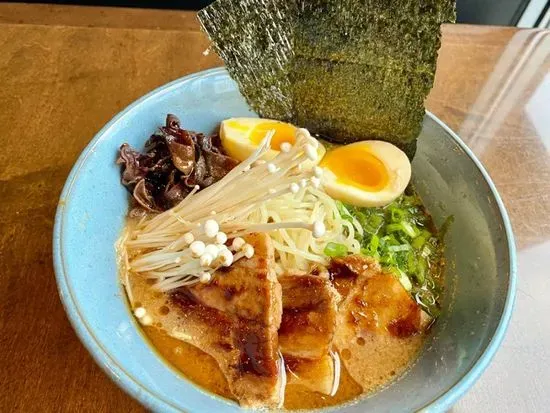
346, 354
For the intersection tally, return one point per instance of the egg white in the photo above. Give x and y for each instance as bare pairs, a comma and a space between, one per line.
236, 140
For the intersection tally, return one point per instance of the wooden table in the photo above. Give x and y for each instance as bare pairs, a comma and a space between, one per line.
65, 71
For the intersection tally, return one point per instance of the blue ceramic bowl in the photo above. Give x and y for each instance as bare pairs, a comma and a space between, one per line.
91, 213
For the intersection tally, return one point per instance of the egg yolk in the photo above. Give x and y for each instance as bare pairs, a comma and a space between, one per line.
284, 132
357, 167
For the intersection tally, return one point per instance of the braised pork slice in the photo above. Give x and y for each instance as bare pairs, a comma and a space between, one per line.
234, 319
309, 316
307, 329
249, 289
379, 325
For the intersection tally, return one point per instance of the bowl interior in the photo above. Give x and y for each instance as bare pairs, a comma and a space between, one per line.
92, 213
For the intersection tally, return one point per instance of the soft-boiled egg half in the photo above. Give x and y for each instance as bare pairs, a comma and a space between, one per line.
241, 137
366, 174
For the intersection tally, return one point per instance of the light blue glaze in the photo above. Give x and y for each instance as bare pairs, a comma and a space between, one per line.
92, 210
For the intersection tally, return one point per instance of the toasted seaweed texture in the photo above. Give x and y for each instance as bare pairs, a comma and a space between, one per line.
347, 69
254, 39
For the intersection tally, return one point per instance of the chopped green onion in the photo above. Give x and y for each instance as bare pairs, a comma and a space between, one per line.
393, 227
375, 222
374, 243
404, 226
387, 259
397, 248
390, 240
420, 275
410, 230
333, 249
404, 280
419, 241
396, 214
411, 262
426, 251
343, 211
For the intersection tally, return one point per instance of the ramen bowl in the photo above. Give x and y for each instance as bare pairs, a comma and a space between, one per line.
479, 250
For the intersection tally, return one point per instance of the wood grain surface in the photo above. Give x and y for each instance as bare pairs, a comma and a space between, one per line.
65, 71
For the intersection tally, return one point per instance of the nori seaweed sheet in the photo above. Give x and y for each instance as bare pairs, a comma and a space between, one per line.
348, 111
346, 69
253, 39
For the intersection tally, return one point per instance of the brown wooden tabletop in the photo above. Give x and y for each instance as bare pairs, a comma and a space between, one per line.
65, 71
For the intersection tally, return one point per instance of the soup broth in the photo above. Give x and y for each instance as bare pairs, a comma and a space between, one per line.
203, 370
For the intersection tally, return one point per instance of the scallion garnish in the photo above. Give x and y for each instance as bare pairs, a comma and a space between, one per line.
333, 249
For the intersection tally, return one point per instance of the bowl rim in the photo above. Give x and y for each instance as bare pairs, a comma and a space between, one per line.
154, 402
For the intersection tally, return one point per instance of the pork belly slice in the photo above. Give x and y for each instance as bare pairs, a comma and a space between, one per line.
379, 326
235, 319
249, 289
307, 329
309, 316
